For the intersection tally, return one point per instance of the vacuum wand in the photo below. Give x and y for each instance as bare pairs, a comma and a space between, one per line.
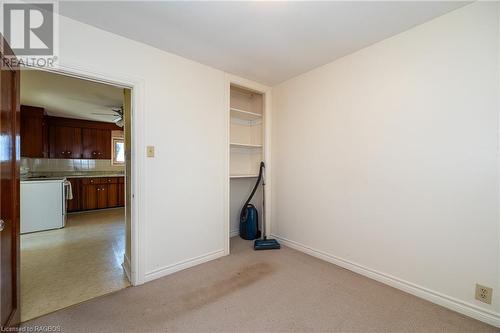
264, 243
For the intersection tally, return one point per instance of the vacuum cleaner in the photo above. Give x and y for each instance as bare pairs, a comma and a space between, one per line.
249, 219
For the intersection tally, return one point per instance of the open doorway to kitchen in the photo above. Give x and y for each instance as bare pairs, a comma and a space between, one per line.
75, 172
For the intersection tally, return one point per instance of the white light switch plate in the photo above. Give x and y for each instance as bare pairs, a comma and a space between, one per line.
150, 151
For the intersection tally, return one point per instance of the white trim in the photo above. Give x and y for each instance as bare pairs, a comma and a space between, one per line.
226, 230
167, 270
126, 266
451, 303
234, 233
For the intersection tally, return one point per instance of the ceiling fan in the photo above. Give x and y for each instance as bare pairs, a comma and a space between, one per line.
117, 112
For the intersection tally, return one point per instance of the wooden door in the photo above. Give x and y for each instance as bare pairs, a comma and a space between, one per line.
104, 144
57, 142
65, 142
89, 192
89, 143
102, 196
74, 142
121, 194
32, 131
96, 143
74, 204
112, 195
9, 192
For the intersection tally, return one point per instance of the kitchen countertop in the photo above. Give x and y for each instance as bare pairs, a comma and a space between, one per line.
75, 175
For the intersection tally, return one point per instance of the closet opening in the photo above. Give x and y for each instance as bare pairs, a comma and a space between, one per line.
247, 147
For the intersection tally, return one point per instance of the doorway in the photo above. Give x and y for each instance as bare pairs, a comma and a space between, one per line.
76, 145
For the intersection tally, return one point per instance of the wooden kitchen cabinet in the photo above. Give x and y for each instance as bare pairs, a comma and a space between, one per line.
65, 138
112, 195
33, 132
96, 143
102, 196
101, 192
89, 192
65, 142
121, 194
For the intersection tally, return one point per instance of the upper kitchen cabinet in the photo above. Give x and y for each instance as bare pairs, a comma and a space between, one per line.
96, 143
33, 132
65, 141
74, 138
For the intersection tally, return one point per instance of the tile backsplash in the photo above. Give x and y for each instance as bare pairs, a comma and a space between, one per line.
39, 165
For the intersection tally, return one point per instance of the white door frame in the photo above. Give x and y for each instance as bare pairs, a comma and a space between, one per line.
266, 91
137, 120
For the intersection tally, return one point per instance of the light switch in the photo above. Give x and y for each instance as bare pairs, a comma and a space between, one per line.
150, 151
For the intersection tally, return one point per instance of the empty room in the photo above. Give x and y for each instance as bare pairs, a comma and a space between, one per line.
250, 166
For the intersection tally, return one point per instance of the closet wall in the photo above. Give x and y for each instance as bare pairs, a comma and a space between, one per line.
246, 146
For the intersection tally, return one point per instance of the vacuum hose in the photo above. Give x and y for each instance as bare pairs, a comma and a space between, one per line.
259, 178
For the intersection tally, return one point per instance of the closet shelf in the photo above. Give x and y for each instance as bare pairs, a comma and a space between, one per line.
243, 176
244, 145
245, 115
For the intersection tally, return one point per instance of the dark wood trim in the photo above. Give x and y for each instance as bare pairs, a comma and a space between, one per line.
70, 122
16, 246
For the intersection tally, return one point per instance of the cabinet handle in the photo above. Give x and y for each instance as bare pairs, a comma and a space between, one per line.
69, 152
63, 152
2, 225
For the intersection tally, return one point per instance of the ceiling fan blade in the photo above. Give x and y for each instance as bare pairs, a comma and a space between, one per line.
104, 114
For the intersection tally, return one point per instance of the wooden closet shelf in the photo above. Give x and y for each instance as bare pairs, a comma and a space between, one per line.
245, 115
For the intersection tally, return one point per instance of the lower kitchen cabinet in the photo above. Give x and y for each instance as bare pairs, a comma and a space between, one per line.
75, 204
102, 196
96, 193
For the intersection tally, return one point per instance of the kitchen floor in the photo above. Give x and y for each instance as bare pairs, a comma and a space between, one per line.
67, 266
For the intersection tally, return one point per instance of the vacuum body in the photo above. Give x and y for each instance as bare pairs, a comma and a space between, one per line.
249, 223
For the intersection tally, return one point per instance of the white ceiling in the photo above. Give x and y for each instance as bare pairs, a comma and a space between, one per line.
69, 97
268, 42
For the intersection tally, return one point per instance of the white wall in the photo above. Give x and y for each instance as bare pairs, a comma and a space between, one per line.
180, 108
386, 161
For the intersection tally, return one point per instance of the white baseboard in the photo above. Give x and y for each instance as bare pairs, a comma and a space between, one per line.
234, 233
126, 267
160, 272
451, 303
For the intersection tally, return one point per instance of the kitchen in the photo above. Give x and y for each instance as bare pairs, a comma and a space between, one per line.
73, 191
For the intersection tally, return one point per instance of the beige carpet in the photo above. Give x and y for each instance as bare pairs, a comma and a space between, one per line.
268, 291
